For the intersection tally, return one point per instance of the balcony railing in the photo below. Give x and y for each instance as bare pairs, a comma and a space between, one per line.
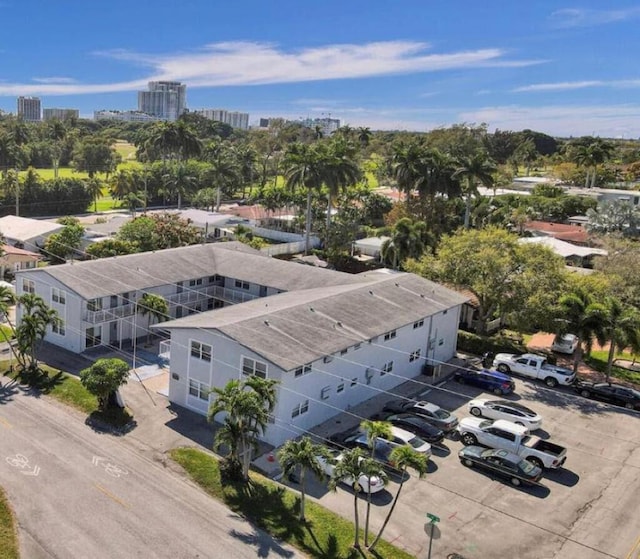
105, 315
165, 349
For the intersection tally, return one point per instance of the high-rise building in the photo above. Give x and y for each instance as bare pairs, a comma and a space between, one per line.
165, 100
60, 114
326, 125
29, 109
126, 116
232, 118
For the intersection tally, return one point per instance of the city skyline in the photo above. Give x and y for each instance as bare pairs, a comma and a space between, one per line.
560, 69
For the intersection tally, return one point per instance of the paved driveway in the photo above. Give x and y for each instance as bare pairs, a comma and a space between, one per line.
587, 510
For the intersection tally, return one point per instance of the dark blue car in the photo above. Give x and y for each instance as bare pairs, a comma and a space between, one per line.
491, 381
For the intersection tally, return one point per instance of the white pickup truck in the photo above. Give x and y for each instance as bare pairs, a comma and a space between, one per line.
514, 438
533, 366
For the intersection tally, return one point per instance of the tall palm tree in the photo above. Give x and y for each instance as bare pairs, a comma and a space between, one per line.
155, 307
188, 143
404, 457
374, 431
407, 165
223, 168
8, 299
349, 468
179, 180
36, 317
304, 170
57, 133
246, 158
584, 318
94, 187
475, 170
164, 138
304, 455
407, 241
364, 136
121, 184
621, 329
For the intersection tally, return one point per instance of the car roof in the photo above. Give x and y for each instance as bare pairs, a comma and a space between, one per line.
506, 455
510, 426
401, 433
428, 406
514, 405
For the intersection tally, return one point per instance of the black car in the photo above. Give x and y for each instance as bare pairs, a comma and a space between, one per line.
359, 440
502, 463
414, 424
611, 393
493, 381
430, 412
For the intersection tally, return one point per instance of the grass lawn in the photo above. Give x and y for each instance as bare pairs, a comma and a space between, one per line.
274, 508
63, 173
598, 360
8, 534
6, 333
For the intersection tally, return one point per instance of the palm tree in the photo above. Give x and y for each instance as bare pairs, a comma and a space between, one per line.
349, 468
188, 143
223, 168
121, 184
304, 171
374, 430
246, 160
364, 136
164, 138
407, 162
180, 181
155, 307
57, 133
621, 329
8, 299
582, 317
302, 454
407, 241
476, 169
36, 317
403, 457
94, 187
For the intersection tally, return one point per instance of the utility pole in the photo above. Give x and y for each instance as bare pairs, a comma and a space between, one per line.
17, 185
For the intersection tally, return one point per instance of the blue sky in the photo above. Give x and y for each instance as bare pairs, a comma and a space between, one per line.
561, 68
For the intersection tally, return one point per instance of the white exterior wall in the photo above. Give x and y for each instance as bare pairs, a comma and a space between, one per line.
358, 369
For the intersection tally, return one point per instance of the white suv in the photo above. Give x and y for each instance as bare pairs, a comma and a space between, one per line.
400, 437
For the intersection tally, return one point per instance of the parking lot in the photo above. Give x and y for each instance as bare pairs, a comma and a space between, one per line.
588, 509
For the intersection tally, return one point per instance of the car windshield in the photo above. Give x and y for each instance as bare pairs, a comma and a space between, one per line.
635, 393
516, 407
416, 442
526, 466
441, 414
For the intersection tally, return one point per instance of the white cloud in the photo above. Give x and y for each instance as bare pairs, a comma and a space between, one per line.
247, 63
54, 80
567, 86
575, 17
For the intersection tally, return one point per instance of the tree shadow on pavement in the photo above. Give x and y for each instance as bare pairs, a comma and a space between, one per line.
263, 544
8, 388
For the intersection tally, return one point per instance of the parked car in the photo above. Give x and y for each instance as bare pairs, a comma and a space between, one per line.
514, 438
533, 366
611, 393
502, 463
357, 439
504, 409
565, 343
433, 414
372, 484
493, 381
414, 424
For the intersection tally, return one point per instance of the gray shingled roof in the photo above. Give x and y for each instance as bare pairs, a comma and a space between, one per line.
120, 274
292, 329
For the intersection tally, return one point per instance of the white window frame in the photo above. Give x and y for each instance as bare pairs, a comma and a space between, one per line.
58, 328
303, 370
325, 393
300, 409
200, 388
251, 366
195, 282
242, 284
415, 355
340, 388
58, 296
418, 324
390, 335
28, 285
354, 382
386, 368
201, 351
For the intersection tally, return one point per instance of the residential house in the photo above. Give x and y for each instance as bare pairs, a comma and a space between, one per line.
13, 259
25, 232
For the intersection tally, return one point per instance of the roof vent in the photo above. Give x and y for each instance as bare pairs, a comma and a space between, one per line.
370, 292
422, 295
312, 309
339, 324
266, 323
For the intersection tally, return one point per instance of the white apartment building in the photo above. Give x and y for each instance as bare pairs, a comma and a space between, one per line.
232, 118
165, 99
126, 116
29, 109
60, 114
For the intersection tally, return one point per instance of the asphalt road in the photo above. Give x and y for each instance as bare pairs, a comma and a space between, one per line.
588, 509
79, 494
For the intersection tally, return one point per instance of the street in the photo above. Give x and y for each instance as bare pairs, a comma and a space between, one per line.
77, 494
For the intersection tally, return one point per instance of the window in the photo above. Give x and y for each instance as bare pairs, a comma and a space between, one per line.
58, 328
354, 381
418, 324
299, 409
302, 370
58, 296
28, 286
340, 388
195, 282
201, 351
198, 389
253, 367
94, 305
386, 368
325, 393
415, 355
93, 336
328, 358
441, 341
390, 335
344, 351
215, 279
242, 285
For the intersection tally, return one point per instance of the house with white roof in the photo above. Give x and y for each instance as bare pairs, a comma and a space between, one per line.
27, 233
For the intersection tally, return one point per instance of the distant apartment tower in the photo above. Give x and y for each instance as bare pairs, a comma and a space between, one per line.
326, 125
165, 100
125, 116
29, 109
232, 118
60, 114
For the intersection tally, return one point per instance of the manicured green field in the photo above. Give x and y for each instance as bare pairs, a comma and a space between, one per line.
273, 507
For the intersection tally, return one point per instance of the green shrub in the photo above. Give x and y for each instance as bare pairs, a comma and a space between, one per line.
469, 342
